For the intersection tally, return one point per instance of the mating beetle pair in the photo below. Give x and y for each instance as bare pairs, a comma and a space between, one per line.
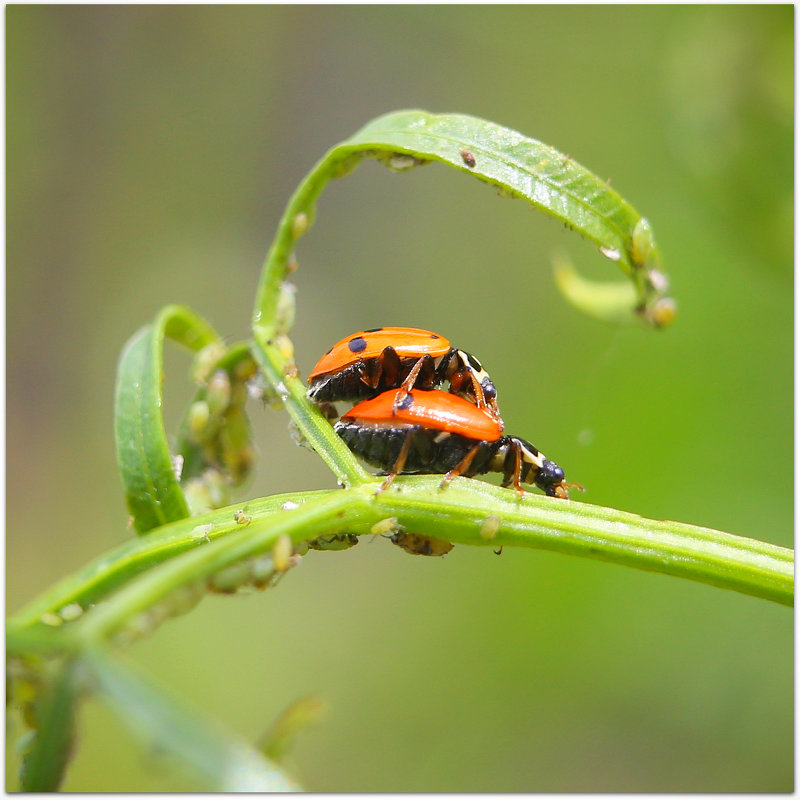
406, 425
370, 362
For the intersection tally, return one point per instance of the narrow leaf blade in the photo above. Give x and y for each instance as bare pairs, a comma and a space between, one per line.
46, 762
523, 167
223, 761
152, 490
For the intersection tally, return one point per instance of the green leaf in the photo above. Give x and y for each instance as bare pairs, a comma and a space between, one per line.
523, 167
609, 302
152, 490
224, 762
468, 512
46, 761
278, 739
517, 165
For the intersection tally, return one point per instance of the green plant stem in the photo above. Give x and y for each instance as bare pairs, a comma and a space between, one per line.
331, 513
108, 572
468, 512
47, 760
313, 426
275, 366
672, 548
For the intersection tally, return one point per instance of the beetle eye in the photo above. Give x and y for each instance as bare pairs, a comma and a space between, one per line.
489, 392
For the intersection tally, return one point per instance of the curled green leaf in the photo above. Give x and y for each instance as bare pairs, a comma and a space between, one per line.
609, 302
523, 167
516, 164
149, 473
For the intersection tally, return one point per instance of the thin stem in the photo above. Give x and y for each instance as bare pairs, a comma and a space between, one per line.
330, 513
468, 512
464, 514
111, 570
312, 425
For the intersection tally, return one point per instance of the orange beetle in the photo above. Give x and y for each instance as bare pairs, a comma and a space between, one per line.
367, 363
437, 432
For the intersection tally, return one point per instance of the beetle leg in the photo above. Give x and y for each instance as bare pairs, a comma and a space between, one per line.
463, 466
480, 396
399, 463
457, 381
561, 490
388, 367
480, 400
423, 363
328, 410
366, 373
514, 470
463, 380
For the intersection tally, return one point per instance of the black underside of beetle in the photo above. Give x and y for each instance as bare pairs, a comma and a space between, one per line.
381, 447
433, 452
356, 382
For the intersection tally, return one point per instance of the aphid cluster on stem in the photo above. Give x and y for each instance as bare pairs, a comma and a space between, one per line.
216, 448
255, 573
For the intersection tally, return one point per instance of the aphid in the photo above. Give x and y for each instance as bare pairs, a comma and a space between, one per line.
436, 432
71, 612
402, 161
334, 541
231, 578
367, 363
419, 545
282, 553
205, 361
201, 532
218, 392
468, 158
199, 415
299, 225
490, 527
664, 311
262, 571
386, 527
642, 244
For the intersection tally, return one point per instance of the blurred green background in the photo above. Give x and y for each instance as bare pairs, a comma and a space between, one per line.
150, 151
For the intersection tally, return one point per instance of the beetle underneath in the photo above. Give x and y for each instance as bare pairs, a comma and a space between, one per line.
434, 432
